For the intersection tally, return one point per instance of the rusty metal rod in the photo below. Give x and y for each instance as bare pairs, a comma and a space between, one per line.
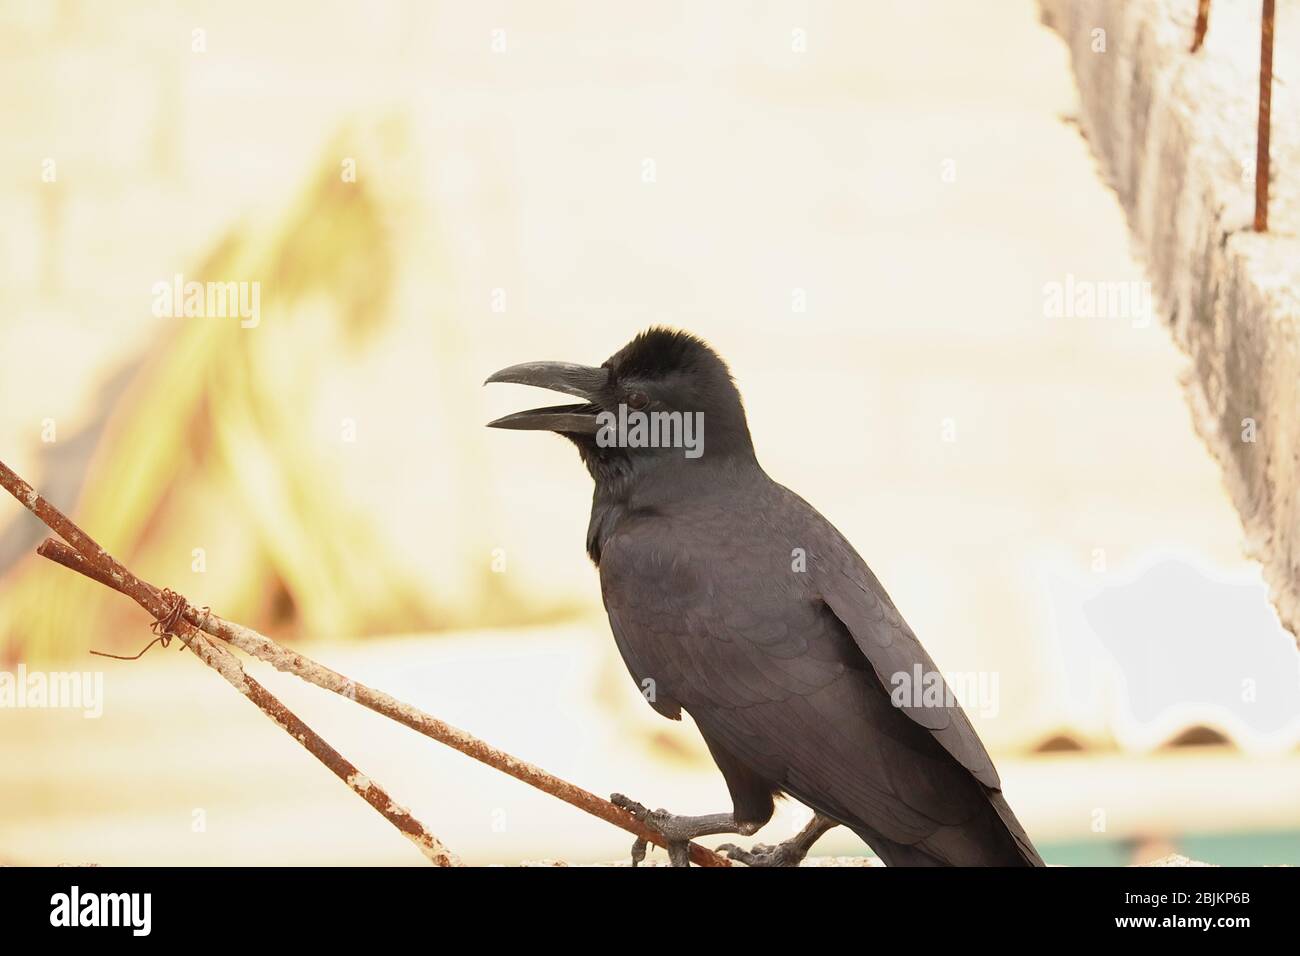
97, 563
1265, 115
292, 662
1202, 23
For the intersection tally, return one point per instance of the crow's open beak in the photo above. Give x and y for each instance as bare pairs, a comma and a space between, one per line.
580, 380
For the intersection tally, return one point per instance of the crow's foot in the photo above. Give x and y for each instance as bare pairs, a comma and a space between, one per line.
789, 853
765, 854
678, 831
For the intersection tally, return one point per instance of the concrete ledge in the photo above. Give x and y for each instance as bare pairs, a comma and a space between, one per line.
1174, 133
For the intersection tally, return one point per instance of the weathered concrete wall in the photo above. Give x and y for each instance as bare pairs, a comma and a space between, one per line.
1175, 134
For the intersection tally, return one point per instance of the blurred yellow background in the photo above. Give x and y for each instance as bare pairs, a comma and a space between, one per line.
859, 205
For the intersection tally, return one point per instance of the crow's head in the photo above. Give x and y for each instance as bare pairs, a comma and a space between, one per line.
665, 396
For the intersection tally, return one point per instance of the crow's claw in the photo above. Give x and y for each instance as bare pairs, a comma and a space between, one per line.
789, 853
677, 831
764, 854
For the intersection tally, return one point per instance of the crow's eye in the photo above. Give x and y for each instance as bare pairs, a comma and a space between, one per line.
637, 400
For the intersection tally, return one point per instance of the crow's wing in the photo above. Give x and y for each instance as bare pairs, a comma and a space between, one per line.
860, 601
783, 669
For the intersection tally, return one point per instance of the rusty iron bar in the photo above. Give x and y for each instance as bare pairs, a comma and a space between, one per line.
1265, 115
98, 564
283, 659
1202, 23
1264, 127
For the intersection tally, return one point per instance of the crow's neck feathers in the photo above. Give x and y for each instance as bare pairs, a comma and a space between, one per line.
685, 375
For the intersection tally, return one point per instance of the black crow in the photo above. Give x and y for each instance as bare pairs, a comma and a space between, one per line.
733, 599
